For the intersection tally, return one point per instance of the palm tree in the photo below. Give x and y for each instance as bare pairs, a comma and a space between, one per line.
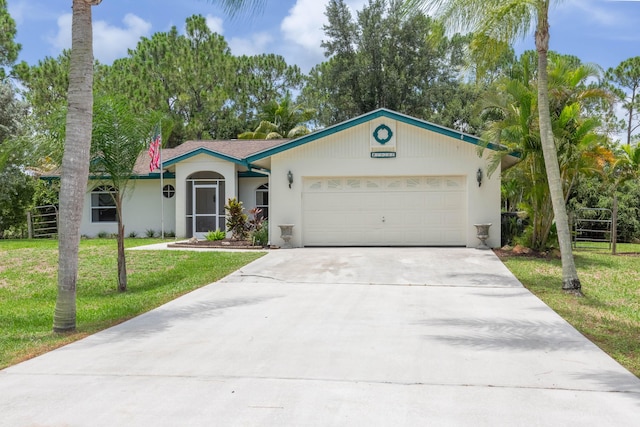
75, 159
119, 136
514, 124
75, 162
280, 120
508, 20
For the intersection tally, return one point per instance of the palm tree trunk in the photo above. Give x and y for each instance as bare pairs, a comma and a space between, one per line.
570, 280
122, 261
75, 164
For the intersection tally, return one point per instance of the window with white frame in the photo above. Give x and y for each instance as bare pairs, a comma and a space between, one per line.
262, 200
103, 205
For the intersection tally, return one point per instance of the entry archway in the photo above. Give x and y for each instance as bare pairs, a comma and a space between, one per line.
205, 203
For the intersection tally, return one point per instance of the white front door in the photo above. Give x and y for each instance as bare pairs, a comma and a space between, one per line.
205, 209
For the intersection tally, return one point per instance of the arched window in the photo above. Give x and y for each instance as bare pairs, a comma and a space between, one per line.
103, 205
262, 200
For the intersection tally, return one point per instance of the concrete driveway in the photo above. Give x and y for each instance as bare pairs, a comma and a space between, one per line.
326, 337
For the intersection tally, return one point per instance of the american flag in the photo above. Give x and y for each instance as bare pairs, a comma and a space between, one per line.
154, 149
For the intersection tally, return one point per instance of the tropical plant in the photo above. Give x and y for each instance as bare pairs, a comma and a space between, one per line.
514, 123
75, 160
508, 20
236, 219
260, 236
280, 120
119, 136
215, 235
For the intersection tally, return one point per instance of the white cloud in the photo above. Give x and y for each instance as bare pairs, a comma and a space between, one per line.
109, 42
215, 24
254, 45
18, 10
303, 24
62, 39
594, 12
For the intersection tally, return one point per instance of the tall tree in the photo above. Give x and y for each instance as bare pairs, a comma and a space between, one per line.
382, 58
75, 160
16, 187
508, 20
46, 86
8, 47
626, 80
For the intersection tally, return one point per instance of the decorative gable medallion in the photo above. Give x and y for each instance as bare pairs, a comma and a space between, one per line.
382, 139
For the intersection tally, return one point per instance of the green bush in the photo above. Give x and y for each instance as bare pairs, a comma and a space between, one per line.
260, 236
215, 235
150, 233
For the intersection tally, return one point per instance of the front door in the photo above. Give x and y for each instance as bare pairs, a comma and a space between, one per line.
205, 209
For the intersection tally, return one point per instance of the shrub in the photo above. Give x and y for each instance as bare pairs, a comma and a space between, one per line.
215, 235
236, 219
169, 233
261, 235
150, 233
103, 235
133, 234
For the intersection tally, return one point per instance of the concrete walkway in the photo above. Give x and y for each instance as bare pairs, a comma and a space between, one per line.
334, 337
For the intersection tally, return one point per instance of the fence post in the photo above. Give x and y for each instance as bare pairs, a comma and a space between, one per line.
29, 227
614, 224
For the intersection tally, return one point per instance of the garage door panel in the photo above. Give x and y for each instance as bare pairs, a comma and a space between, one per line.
453, 200
384, 211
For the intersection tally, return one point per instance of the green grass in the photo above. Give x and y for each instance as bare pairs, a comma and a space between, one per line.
609, 312
28, 287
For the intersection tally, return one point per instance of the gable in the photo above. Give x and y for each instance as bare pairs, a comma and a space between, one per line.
372, 117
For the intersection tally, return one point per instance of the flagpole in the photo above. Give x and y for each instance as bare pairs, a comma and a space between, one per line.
161, 187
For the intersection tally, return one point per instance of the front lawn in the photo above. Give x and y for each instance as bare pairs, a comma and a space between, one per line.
609, 312
28, 286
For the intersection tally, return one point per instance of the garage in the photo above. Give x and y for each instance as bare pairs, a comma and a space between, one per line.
384, 211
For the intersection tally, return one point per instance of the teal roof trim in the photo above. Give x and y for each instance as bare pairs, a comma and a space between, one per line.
252, 174
383, 112
203, 151
167, 175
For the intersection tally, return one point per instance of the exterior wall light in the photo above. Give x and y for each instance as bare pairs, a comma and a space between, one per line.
290, 178
479, 177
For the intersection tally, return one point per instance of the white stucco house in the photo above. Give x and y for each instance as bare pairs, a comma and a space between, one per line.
380, 179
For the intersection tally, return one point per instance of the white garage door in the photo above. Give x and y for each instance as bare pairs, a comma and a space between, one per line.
384, 211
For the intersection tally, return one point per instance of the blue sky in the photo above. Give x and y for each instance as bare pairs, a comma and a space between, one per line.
600, 31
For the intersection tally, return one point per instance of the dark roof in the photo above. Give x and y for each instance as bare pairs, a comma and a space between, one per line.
236, 150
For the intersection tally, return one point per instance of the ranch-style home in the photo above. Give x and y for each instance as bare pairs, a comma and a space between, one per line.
380, 179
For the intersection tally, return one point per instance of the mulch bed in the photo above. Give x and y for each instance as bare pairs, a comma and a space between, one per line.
520, 251
222, 244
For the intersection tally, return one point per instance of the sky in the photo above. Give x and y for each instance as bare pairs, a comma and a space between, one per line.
604, 32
